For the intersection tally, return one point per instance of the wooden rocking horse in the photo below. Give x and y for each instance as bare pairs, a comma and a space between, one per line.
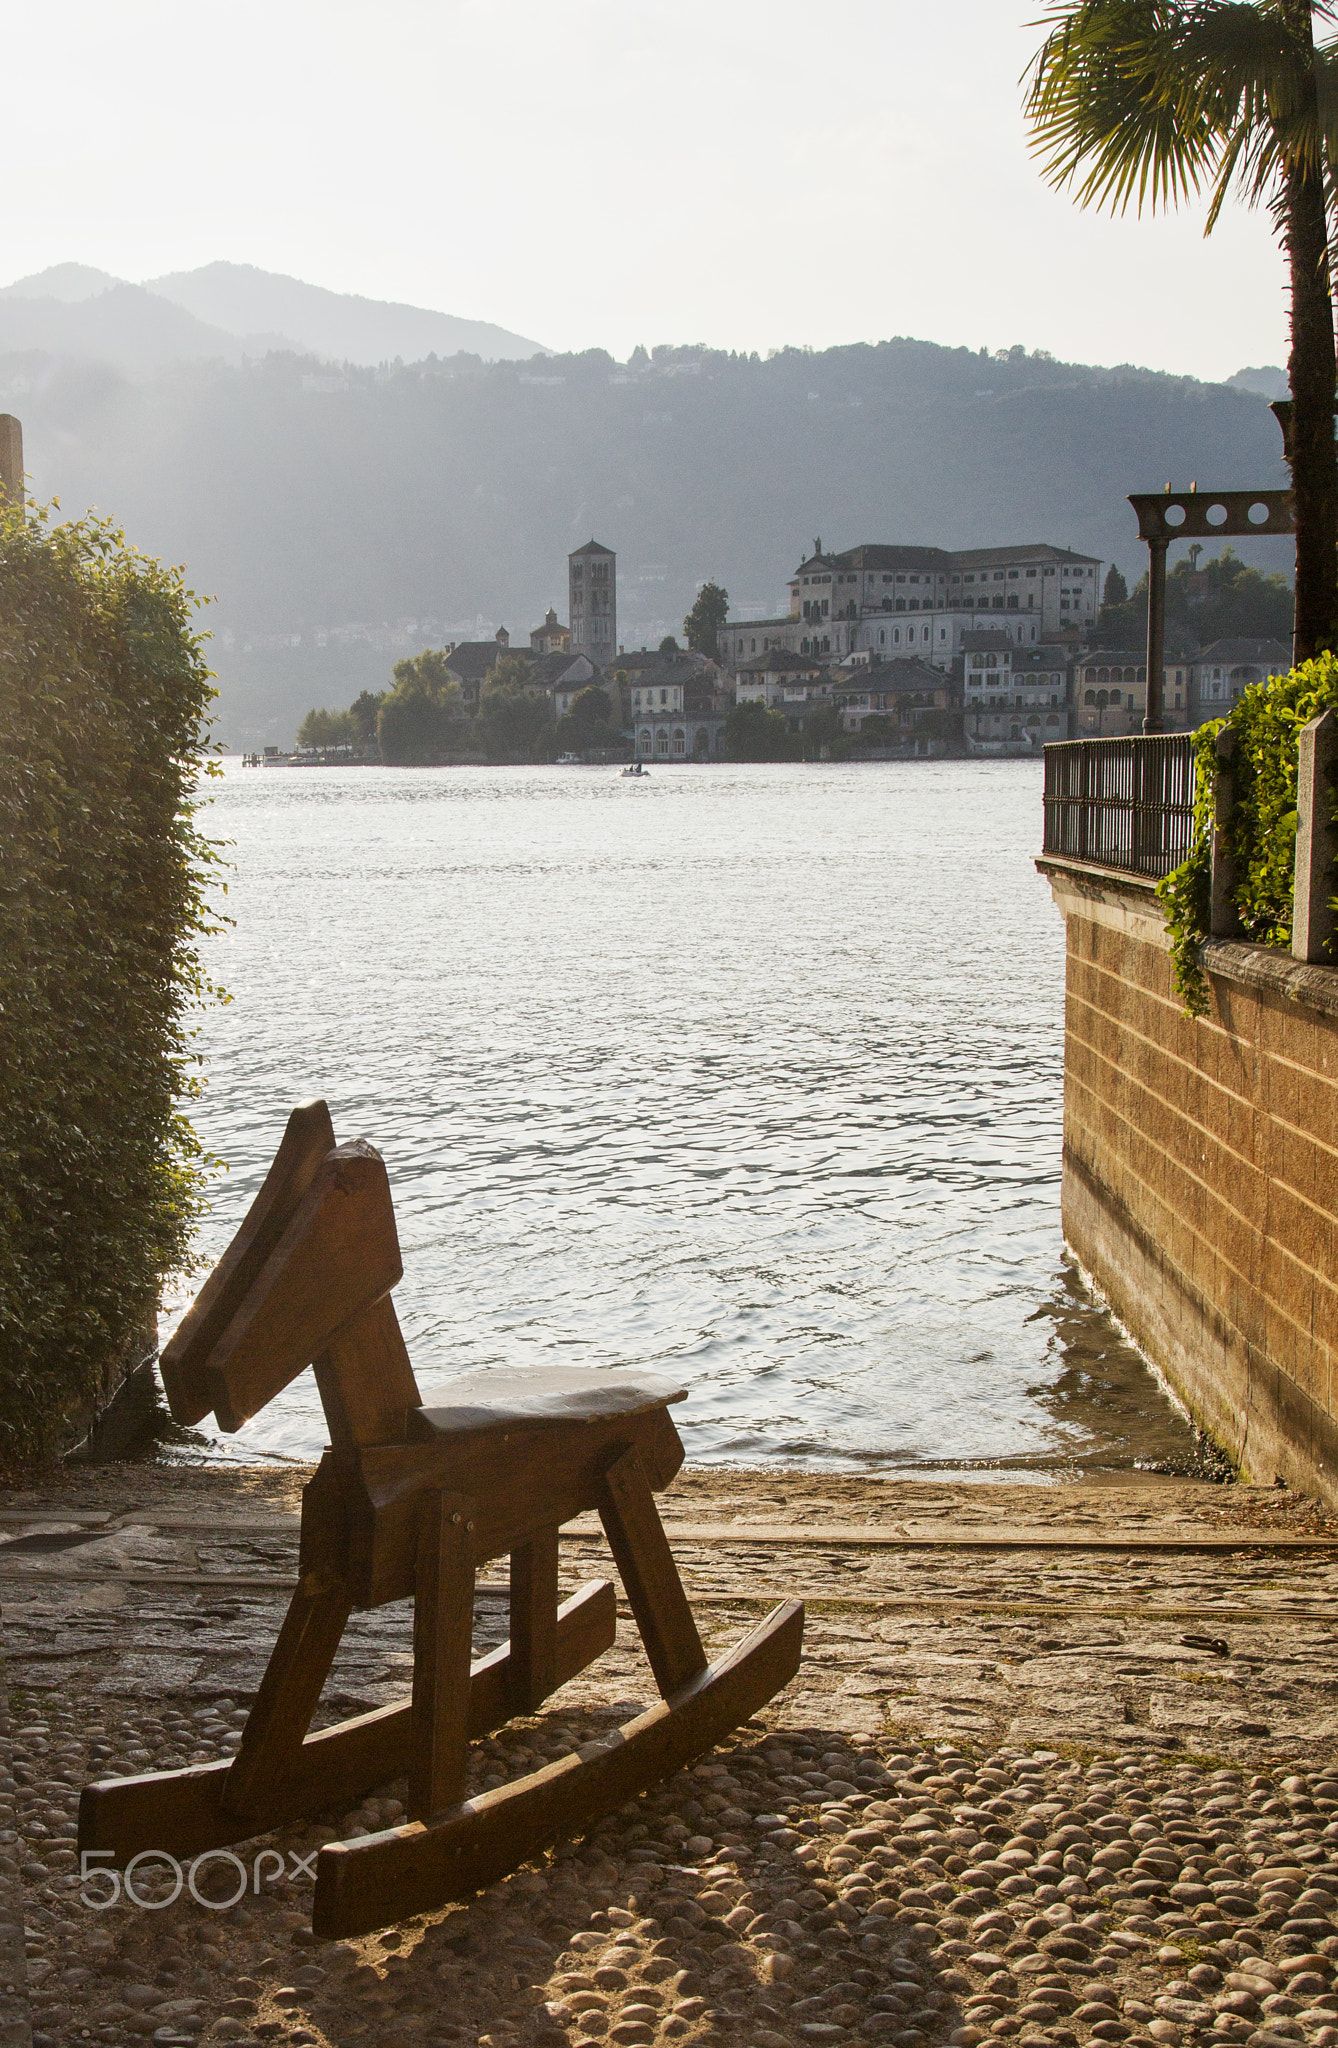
410, 1497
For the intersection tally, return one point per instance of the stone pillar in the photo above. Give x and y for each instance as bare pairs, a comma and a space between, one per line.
11, 459
1225, 919
1316, 840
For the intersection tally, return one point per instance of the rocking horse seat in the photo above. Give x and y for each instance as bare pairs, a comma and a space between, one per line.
537, 1399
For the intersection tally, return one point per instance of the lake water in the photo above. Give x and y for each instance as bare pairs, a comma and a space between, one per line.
751, 1075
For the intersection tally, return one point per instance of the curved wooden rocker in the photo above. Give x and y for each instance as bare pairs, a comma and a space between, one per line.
408, 1500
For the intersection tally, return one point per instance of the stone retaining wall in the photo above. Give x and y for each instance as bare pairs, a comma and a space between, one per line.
1199, 1171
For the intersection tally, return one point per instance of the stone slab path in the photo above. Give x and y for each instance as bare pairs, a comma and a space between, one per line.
1055, 1769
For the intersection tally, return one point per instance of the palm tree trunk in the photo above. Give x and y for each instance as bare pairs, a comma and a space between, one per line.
1311, 371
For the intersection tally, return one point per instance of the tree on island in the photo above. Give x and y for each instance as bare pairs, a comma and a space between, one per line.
704, 622
824, 730
1222, 599
323, 729
515, 718
1116, 590
1149, 101
419, 722
589, 723
752, 733
363, 713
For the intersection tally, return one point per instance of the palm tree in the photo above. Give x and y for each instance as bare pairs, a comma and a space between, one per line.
1149, 101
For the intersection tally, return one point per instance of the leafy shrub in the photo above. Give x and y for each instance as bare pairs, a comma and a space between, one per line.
104, 700
1261, 838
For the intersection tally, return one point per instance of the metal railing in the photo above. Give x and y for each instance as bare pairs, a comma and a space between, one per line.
1121, 803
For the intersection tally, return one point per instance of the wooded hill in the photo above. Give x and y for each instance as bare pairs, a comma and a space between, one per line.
433, 501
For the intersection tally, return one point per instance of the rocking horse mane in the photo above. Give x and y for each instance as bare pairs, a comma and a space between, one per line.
318, 1245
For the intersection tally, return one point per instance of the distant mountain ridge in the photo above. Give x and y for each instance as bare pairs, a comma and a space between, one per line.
342, 325
132, 330
227, 311
346, 516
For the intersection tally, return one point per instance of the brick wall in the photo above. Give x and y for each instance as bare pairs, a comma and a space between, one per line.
1199, 1171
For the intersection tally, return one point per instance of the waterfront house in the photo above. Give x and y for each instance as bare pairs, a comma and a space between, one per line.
1015, 698
1110, 692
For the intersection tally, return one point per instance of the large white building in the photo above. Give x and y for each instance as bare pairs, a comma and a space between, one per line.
892, 602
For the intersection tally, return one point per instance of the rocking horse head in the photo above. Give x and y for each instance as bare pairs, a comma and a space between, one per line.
317, 1247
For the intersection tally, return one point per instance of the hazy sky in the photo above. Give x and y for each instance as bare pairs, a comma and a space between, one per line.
748, 173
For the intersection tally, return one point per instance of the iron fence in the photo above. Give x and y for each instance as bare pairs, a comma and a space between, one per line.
1121, 803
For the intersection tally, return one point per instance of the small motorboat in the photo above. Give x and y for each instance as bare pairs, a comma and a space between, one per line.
568, 761
637, 772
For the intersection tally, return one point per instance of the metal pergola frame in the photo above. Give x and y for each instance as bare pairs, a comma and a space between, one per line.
1164, 516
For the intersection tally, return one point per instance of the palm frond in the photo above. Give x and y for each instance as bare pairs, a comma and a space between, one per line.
1147, 101
1104, 110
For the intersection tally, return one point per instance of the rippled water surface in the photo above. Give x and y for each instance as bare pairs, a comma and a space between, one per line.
749, 1074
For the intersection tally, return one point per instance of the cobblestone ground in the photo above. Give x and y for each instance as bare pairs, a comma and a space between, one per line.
1045, 1795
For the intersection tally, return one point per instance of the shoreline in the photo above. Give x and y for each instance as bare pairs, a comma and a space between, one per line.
1057, 1639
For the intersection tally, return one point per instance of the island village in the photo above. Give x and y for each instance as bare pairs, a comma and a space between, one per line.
886, 652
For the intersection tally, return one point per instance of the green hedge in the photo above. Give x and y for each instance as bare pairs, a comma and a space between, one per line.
104, 698
1261, 838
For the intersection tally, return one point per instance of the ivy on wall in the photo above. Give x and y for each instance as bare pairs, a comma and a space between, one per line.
104, 881
1261, 838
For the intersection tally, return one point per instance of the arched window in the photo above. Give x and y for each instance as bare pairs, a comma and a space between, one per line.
1103, 675
1115, 697
1090, 697
680, 740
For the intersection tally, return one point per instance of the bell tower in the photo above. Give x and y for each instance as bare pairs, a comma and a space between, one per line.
592, 597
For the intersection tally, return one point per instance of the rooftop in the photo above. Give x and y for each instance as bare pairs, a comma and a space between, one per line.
470, 660
1255, 651
780, 661
987, 642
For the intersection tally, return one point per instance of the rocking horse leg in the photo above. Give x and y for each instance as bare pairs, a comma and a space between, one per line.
534, 1605
649, 1575
417, 1867
298, 1667
185, 1810
443, 1627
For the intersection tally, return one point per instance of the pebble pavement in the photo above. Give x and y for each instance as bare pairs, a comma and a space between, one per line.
1047, 1800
